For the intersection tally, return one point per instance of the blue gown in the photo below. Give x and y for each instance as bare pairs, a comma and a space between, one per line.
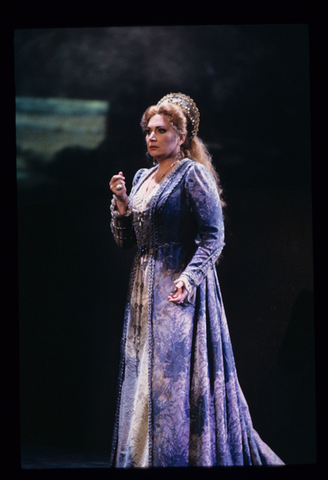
179, 400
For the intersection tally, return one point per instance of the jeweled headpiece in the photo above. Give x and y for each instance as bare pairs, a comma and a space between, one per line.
188, 107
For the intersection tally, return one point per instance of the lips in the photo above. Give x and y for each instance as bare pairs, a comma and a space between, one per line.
152, 147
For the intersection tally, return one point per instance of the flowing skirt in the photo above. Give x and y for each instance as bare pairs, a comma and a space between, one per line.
216, 428
133, 439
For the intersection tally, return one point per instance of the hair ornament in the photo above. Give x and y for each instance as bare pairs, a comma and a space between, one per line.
188, 107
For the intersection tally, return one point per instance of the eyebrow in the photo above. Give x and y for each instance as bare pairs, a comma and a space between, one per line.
156, 126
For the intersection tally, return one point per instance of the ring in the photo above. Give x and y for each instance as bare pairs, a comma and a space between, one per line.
119, 186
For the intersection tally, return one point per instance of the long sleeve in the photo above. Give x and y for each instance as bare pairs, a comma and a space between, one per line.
121, 225
204, 200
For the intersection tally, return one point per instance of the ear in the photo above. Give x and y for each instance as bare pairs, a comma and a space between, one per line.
182, 139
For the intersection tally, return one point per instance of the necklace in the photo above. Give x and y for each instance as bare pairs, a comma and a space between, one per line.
163, 174
160, 178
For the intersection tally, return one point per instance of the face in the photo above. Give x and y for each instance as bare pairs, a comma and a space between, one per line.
162, 141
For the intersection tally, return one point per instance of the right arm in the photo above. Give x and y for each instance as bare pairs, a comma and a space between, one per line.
121, 221
117, 186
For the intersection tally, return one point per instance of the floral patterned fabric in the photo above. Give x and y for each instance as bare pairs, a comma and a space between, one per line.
179, 400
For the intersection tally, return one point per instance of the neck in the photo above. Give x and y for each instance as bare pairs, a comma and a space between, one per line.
164, 168
164, 163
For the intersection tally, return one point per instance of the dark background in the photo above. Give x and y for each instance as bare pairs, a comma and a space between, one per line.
251, 85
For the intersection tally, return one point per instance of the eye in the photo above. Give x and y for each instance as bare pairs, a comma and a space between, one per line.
162, 130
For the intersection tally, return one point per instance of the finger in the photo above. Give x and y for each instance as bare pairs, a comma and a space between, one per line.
175, 297
179, 297
119, 177
176, 292
179, 293
173, 300
116, 178
176, 300
118, 181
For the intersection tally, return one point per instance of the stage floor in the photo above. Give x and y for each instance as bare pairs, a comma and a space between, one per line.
41, 457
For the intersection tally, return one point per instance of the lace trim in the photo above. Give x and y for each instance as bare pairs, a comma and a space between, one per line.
113, 208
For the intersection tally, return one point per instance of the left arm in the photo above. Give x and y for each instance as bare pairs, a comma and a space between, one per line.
203, 199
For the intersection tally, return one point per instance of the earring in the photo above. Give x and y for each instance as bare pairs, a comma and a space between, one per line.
151, 159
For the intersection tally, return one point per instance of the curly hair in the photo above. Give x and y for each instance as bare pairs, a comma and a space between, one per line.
193, 147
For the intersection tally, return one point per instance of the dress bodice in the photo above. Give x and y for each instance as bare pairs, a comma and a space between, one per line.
141, 215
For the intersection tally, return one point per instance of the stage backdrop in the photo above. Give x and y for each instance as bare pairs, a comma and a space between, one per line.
80, 97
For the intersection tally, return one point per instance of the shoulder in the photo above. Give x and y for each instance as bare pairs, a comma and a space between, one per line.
199, 184
139, 174
196, 172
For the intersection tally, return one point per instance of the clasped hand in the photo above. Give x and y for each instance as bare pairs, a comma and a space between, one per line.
179, 294
117, 186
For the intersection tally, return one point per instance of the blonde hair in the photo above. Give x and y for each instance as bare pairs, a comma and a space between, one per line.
193, 147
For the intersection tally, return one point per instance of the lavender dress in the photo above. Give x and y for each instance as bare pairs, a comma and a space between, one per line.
179, 400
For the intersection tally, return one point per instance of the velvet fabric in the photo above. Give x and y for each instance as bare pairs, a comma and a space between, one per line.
196, 412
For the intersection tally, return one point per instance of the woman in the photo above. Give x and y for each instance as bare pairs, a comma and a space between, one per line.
179, 402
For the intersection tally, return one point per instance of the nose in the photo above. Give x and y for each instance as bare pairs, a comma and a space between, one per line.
152, 136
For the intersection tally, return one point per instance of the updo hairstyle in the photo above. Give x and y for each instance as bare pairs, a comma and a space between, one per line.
193, 147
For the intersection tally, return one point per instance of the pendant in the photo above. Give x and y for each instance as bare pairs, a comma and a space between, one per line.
140, 218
